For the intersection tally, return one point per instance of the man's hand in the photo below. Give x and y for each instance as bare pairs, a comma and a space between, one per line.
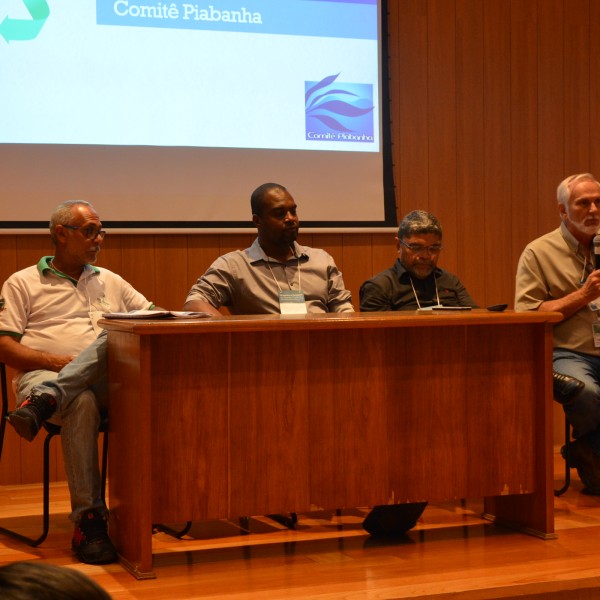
55, 362
22, 358
591, 287
568, 305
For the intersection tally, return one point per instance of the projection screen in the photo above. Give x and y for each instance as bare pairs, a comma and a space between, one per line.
166, 115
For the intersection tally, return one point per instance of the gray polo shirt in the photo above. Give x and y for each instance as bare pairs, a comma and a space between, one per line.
552, 267
248, 282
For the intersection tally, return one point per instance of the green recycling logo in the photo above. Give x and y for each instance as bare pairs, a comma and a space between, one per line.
26, 29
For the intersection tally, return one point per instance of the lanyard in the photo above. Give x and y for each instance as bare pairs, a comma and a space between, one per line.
285, 275
417, 297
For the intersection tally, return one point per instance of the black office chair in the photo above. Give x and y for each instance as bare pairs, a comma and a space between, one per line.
565, 392
566, 454
51, 431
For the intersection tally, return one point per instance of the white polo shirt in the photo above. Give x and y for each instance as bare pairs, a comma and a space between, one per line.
50, 312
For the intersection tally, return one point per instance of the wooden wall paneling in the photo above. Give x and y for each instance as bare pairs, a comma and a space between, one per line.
441, 114
383, 252
470, 233
305, 239
595, 87
57, 464
31, 456
498, 277
171, 268
111, 255
412, 137
334, 244
28, 457
357, 260
238, 241
577, 86
30, 248
551, 104
8, 256
202, 251
138, 263
524, 124
10, 465
551, 151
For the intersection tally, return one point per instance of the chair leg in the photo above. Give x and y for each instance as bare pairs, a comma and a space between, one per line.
289, 522
567, 457
172, 532
104, 464
51, 431
46, 503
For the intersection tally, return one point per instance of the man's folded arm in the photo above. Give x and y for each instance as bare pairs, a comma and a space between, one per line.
23, 358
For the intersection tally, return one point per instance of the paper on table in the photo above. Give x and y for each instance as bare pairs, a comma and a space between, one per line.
428, 308
156, 314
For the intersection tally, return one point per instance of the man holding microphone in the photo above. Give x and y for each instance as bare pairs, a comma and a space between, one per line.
559, 272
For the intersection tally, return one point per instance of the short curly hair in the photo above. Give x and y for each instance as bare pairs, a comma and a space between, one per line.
419, 221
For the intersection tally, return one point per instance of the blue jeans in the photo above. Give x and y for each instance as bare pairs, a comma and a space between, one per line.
80, 392
87, 370
584, 412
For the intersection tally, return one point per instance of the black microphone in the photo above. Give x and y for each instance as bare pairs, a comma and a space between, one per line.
596, 243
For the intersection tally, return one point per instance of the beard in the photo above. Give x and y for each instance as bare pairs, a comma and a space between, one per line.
290, 235
421, 270
590, 229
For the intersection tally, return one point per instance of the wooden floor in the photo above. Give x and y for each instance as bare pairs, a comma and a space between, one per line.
452, 553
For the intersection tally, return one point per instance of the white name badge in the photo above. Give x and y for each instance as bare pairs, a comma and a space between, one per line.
95, 316
292, 302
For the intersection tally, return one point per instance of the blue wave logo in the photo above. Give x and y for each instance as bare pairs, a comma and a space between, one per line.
339, 112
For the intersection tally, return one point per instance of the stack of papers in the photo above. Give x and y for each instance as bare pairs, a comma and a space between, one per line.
444, 308
156, 314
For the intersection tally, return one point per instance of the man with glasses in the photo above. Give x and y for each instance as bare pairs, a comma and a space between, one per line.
559, 272
50, 315
415, 281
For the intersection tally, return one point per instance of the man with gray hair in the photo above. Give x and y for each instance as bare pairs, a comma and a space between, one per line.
415, 281
557, 272
50, 315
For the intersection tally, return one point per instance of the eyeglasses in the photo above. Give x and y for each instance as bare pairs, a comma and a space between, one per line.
418, 249
89, 232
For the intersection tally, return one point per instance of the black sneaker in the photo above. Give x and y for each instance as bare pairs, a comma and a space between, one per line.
565, 388
587, 463
28, 418
91, 543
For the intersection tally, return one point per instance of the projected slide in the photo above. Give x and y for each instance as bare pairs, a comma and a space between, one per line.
236, 73
157, 104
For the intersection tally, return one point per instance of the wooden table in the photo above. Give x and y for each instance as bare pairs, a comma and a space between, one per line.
238, 416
